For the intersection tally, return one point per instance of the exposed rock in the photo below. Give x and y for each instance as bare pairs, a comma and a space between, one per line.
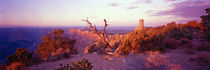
114, 40
88, 38
83, 38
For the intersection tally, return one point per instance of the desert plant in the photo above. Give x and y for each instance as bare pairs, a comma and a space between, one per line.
22, 55
12, 58
144, 40
65, 67
54, 41
81, 65
16, 66
179, 31
77, 65
101, 35
90, 49
171, 43
206, 24
157, 61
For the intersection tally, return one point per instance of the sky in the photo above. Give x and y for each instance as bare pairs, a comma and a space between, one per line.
116, 12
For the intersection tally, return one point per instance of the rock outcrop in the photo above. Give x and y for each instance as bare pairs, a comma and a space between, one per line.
87, 38
83, 38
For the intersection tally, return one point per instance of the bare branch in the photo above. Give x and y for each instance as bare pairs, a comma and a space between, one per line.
93, 27
102, 34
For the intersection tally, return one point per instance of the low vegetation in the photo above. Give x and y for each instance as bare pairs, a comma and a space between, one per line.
19, 60
158, 38
157, 61
139, 41
54, 42
102, 45
77, 65
206, 24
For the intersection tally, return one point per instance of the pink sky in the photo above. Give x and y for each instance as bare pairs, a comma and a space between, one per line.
117, 12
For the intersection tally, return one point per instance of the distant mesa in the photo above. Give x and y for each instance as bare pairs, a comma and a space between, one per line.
141, 25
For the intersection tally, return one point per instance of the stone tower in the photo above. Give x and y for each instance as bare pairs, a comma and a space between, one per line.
141, 24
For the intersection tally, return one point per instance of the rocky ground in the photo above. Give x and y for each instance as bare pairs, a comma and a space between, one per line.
176, 59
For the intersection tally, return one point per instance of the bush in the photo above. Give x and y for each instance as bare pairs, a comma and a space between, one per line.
157, 61
178, 34
90, 49
77, 65
206, 24
171, 43
81, 65
186, 43
16, 66
22, 55
65, 67
145, 40
54, 41
179, 31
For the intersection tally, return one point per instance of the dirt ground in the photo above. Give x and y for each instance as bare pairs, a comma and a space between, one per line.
131, 61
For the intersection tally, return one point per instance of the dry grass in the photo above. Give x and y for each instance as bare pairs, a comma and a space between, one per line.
157, 61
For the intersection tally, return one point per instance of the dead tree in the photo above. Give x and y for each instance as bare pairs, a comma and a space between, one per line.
101, 35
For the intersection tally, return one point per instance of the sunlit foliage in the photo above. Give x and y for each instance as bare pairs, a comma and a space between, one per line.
139, 41
155, 38
54, 41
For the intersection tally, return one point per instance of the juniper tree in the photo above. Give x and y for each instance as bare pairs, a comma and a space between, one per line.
54, 41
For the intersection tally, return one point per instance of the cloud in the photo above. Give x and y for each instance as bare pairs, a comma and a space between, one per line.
132, 7
113, 4
187, 9
170, 0
142, 1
